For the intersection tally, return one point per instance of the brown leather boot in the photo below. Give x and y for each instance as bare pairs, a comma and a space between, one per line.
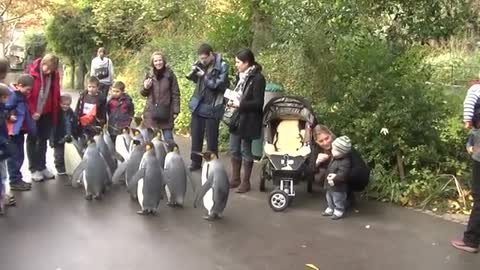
247, 171
236, 166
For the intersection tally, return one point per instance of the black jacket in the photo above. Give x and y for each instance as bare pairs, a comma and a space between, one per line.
67, 126
101, 116
210, 88
341, 167
251, 106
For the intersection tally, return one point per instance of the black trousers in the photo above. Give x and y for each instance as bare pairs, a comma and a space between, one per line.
471, 236
104, 88
201, 126
59, 157
37, 145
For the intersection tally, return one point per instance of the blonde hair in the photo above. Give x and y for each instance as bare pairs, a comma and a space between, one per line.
51, 61
321, 129
159, 53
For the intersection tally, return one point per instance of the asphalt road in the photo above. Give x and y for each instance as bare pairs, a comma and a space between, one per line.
54, 227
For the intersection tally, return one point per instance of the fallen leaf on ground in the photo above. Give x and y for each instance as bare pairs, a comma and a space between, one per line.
311, 266
367, 226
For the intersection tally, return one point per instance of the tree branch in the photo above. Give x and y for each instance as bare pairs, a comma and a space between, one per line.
6, 8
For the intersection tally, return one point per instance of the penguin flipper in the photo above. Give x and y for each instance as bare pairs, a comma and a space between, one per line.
190, 178
119, 172
201, 192
132, 187
107, 167
77, 173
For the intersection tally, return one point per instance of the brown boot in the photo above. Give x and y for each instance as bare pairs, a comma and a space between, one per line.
247, 171
236, 166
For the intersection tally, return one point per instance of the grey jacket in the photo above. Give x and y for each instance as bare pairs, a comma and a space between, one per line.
474, 141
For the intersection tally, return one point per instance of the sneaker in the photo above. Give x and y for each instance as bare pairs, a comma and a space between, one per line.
328, 212
460, 244
9, 200
19, 185
47, 175
337, 215
37, 176
61, 173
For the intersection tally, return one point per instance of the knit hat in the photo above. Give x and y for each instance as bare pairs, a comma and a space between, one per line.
342, 145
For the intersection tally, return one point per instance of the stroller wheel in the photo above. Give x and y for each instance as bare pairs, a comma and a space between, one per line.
278, 200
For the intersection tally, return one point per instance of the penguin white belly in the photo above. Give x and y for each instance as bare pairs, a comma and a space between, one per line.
140, 192
168, 193
85, 182
208, 200
121, 147
72, 158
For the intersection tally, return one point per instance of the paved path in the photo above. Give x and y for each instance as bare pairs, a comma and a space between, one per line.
53, 227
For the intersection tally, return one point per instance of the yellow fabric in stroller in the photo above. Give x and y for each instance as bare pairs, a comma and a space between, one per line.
288, 140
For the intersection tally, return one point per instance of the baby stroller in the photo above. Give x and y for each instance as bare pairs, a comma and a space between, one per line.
287, 157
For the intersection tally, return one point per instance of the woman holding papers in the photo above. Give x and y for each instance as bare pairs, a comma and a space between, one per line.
248, 98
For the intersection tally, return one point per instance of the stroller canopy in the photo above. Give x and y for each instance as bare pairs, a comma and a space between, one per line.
288, 107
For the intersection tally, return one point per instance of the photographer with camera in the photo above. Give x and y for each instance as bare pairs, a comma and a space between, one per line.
210, 74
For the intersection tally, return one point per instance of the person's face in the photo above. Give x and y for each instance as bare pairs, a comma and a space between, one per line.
240, 65
101, 54
205, 59
158, 62
65, 105
92, 89
3, 76
46, 69
116, 93
3, 99
324, 141
24, 89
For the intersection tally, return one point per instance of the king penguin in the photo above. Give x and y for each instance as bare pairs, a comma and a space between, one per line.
149, 182
215, 187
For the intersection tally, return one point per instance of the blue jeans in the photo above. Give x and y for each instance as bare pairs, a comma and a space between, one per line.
336, 201
168, 135
15, 162
240, 148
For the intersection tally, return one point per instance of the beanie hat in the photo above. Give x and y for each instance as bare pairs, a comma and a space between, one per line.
342, 145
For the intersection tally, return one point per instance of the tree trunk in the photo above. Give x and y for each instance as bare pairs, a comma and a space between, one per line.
400, 165
261, 27
81, 72
72, 75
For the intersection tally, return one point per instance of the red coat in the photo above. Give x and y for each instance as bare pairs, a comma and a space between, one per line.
54, 97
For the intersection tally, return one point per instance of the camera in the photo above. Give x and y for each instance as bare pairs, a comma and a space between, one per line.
194, 70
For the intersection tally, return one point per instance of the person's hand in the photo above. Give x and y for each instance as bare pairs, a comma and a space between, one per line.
200, 73
68, 139
147, 83
322, 158
331, 183
468, 124
232, 103
13, 118
331, 176
36, 116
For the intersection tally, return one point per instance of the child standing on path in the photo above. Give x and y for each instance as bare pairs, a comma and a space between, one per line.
8, 198
91, 109
4, 144
63, 133
120, 110
337, 173
19, 123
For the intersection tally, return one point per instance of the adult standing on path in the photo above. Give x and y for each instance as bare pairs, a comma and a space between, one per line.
44, 105
360, 173
160, 87
210, 74
102, 68
471, 119
250, 88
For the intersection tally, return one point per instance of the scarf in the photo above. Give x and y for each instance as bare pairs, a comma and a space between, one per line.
242, 79
44, 91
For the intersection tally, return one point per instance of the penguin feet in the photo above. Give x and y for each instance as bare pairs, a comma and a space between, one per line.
171, 204
211, 217
146, 212
98, 197
88, 197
